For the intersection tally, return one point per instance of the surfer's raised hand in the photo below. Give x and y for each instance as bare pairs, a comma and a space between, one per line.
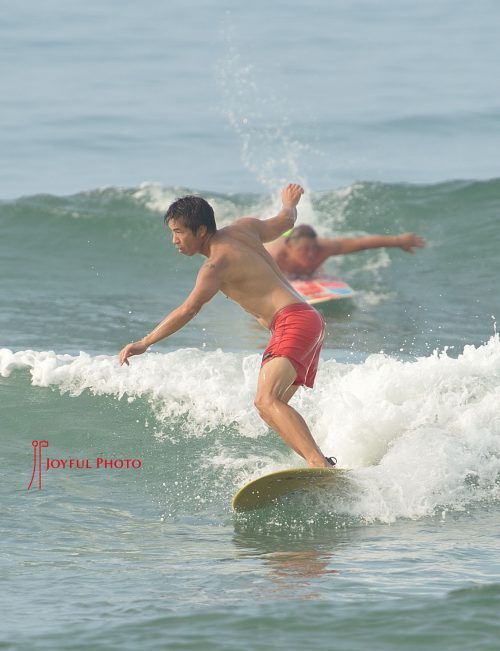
410, 241
135, 348
291, 195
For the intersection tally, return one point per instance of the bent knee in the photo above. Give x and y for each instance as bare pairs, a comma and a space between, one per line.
264, 404
259, 404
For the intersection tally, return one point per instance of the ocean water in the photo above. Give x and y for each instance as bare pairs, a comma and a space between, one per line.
388, 114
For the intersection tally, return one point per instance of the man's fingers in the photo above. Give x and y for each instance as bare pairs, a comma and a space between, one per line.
124, 354
294, 191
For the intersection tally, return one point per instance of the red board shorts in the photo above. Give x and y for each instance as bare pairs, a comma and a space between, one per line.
297, 332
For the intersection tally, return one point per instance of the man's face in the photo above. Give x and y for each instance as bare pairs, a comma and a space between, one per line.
184, 240
304, 249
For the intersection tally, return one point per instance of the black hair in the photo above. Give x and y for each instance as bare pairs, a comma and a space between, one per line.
193, 212
301, 231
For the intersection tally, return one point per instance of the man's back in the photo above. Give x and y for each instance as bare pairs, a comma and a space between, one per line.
249, 275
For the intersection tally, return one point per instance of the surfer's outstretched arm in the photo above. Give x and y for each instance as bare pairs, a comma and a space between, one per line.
405, 241
207, 285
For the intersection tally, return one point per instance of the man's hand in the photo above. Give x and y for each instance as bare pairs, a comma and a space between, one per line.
135, 348
291, 195
409, 241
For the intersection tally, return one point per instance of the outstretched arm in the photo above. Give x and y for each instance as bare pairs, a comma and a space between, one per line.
270, 229
207, 285
405, 241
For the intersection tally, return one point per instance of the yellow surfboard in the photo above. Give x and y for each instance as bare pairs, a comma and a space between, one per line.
265, 490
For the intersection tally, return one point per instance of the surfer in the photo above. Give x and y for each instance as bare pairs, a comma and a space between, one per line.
239, 266
300, 252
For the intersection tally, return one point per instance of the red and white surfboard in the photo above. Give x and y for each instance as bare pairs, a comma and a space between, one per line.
323, 289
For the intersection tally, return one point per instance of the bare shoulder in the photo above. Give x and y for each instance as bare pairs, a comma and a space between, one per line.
216, 262
246, 224
329, 246
245, 229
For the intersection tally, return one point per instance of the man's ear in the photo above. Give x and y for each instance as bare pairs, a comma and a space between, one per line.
202, 231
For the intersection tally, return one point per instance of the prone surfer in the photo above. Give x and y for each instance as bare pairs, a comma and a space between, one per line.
239, 266
300, 253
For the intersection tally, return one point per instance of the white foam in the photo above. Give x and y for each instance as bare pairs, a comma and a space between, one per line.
212, 388
419, 435
155, 197
368, 299
158, 198
336, 209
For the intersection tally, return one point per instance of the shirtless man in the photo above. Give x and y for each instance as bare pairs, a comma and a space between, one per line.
300, 253
239, 266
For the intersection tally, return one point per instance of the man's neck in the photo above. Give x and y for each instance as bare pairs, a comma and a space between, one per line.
206, 245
